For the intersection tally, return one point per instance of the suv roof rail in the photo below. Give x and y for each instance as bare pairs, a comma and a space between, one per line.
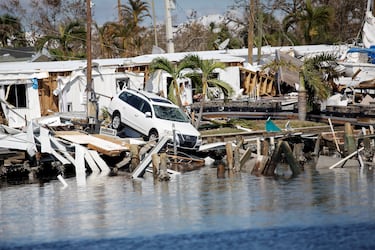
140, 93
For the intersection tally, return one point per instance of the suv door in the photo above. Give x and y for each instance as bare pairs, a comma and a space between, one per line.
136, 115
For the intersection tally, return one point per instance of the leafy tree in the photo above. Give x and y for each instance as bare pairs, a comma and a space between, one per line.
44, 17
326, 64
349, 16
204, 70
312, 87
313, 21
11, 32
68, 44
106, 36
48, 16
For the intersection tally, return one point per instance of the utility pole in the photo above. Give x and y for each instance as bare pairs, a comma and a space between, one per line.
250, 39
260, 31
168, 26
154, 21
119, 11
91, 107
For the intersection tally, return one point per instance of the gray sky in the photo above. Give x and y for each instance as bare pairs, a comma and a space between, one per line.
107, 10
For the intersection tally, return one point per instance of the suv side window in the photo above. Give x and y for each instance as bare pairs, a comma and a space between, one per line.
145, 107
133, 101
124, 96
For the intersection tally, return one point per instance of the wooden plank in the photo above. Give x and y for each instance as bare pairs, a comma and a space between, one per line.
101, 145
101, 163
91, 162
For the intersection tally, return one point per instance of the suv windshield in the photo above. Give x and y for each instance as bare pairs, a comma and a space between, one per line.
170, 113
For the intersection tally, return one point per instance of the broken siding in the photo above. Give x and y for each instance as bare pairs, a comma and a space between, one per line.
18, 112
49, 103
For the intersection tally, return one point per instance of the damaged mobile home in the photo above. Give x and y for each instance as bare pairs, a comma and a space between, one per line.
29, 90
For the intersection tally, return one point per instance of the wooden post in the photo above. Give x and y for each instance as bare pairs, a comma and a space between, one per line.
282, 147
350, 145
250, 39
229, 150
298, 152
155, 165
269, 169
334, 136
259, 165
317, 145
292, 162
221, 170
237, 157
163, 172
258, 146
134, 152
265, 148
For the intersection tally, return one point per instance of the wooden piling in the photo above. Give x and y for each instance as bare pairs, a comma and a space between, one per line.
221, 170
229, 152
155, 165
298, 152
163, 172
265, 148
269, 170
292, 162
282, 148
259, 165
349, 141
237, 157
317, 145
134, 155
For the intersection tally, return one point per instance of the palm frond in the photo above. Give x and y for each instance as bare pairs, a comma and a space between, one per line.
224, 86
162, 63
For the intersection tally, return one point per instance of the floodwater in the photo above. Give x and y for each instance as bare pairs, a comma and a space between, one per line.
195, 210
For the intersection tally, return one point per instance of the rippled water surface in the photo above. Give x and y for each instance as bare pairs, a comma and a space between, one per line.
316, 210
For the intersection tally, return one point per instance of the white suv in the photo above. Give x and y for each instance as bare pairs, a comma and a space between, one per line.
152, 116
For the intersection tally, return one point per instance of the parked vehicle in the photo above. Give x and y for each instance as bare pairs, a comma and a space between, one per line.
152, 116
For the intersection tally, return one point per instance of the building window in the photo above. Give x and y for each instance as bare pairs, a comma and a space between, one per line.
122, 83
16, 95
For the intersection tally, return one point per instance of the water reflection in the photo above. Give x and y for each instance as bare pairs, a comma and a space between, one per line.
195, 202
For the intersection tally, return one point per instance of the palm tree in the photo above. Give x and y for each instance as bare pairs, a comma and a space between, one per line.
204, 70
11, 31
307, 21
132, 15
135, 12
311, 87
161, 63
107, 36
326, 64
68, 44
314, 20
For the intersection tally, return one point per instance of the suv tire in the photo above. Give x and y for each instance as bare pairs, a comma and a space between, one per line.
116, 121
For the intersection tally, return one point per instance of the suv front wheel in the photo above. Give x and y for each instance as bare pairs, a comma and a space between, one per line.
116, 121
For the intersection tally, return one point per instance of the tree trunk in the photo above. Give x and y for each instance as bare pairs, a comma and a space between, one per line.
199, 118
302, 99
177, 93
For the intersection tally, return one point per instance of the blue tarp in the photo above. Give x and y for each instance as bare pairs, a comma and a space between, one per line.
271, 126
369, 51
